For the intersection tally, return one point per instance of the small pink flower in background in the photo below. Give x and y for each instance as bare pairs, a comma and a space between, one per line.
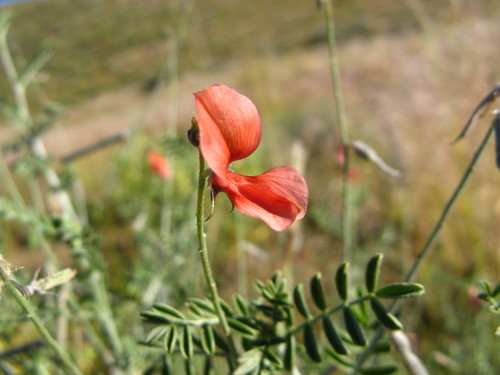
353, 174
472, 294
158, 164
340, 159
230, 130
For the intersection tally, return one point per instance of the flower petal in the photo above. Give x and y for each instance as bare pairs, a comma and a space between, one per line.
229, 125
278, 197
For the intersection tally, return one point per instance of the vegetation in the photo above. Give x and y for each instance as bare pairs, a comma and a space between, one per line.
411, 74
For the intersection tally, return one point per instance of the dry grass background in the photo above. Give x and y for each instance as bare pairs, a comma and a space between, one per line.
405, 96
407, 93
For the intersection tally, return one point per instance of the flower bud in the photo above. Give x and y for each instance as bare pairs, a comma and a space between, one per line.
194, 133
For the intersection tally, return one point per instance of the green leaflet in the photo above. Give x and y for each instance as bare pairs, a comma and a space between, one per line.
207, 339
372, 272
300, 301
317, 291
384, 317
170, 339
242, 328
353, 328
155, 334
187, 342
289, 357
311, 343
379, 370
400, 290
155, 318
170, 311
241, 305
333, 337
341, 280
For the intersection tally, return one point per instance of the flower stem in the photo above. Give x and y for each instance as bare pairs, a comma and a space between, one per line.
30, 311
335, 72
342, 129
207, 271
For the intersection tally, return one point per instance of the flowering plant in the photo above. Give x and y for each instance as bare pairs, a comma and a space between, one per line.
230, 130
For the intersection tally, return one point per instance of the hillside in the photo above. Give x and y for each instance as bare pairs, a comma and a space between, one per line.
100, 46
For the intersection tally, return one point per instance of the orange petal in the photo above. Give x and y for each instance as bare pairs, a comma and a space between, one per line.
158, 164
229, 126
278, 197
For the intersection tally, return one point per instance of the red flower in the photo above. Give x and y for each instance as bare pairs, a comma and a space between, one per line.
158, 164
230, 130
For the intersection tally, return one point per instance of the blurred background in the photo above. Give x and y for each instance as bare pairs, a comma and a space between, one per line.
412, 72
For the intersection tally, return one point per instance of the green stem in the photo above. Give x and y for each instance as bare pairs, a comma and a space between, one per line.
335, 73
342, 130
451, 201
18, 89
432, 237
30, 311
207, 271
328, 312
38, 148
53, 264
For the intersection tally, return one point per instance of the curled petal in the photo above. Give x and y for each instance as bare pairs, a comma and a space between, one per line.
229, 126
278, 197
